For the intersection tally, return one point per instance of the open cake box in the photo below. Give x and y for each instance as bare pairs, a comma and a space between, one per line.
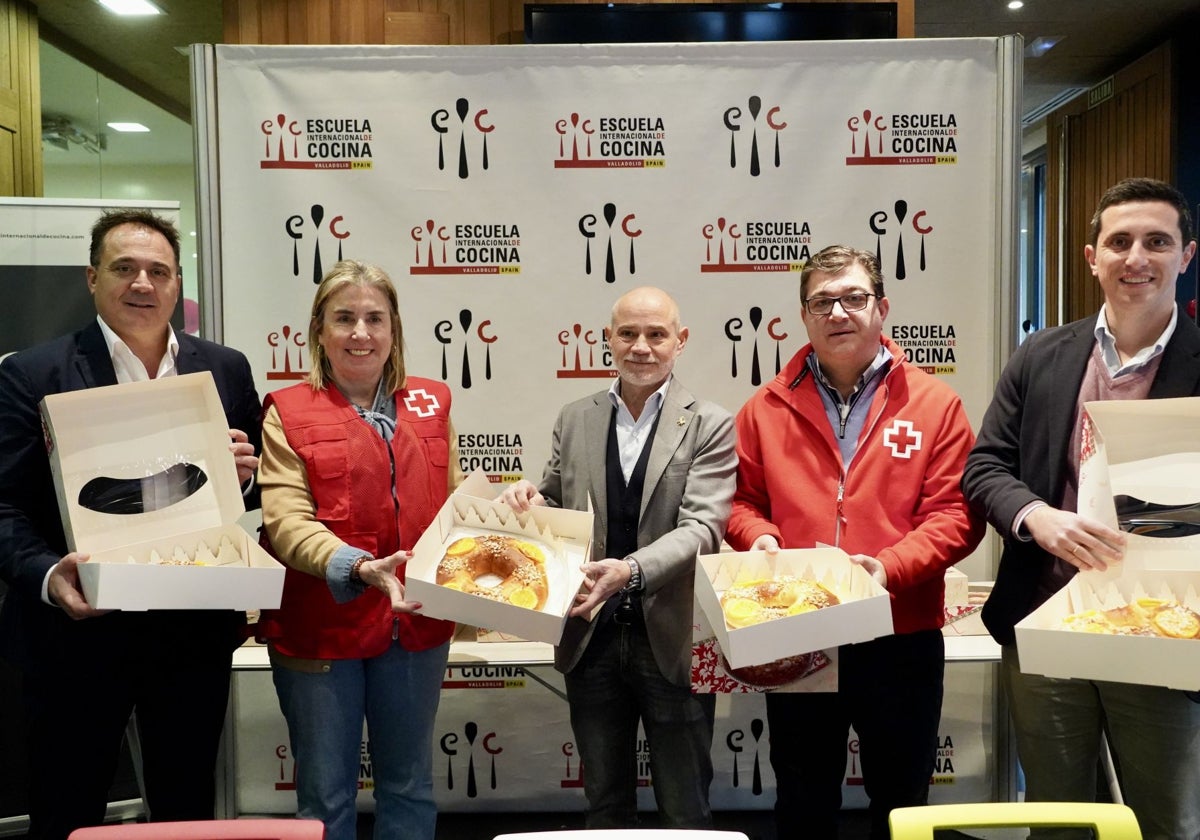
864, 612
146, 486
1139, 463
565, 537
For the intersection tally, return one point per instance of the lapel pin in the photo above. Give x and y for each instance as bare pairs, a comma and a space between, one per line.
682, 421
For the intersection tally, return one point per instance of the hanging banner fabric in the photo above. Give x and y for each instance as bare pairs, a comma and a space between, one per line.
514, 193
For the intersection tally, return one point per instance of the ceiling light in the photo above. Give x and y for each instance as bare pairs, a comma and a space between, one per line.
1038, 47
1013, 5
131, 7
127, 126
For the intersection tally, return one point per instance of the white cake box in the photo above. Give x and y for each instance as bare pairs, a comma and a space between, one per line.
1148, 450
564, 535
864, 613
121, 436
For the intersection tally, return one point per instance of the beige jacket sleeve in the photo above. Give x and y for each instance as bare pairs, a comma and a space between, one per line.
289, 513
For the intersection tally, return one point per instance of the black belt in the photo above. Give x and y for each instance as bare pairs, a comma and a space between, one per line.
629, 613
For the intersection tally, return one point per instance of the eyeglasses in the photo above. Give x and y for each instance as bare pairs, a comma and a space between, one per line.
853, 302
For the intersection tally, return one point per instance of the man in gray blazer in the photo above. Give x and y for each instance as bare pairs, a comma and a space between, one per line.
658, 468
1023, 475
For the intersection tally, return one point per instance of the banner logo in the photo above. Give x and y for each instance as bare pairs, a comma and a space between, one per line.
928, 346
449, 744
316, 143
587, 229
576, 781
444, 332
902, 139
586, 354
735, 122
443, 249
735, 332
298, 228
441, 122
498, 454
879, 226
611, 142
734, 742
288, 356
731, 246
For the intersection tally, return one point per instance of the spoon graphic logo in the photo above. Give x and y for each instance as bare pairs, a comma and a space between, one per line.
443, 125
735, 120
880, 224
445, 333
735, 331
585, 354
587, 229
310, 226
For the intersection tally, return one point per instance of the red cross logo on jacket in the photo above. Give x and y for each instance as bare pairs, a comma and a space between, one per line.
421, 403
902, 439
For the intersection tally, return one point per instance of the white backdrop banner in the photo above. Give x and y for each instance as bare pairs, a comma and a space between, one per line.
513, 193
503, 742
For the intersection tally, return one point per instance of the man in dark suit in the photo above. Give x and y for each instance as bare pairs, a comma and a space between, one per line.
85, 671
1023, 475
658, 467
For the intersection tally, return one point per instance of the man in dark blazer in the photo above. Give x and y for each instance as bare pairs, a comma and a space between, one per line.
657, 466
85, 671
1023, 475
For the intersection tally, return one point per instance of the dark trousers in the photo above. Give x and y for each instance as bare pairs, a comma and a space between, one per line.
77, 710
615, 683
890, 690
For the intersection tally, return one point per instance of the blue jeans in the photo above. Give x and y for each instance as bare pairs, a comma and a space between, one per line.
615, 682
1154, 734
397, 692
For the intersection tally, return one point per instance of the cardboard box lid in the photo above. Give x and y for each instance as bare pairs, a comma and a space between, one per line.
132, 431
1149, 449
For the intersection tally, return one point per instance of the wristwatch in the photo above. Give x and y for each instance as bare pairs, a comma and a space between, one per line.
635, 576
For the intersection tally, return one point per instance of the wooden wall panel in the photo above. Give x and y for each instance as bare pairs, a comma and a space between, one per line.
20, 101
1090, 149
361, 21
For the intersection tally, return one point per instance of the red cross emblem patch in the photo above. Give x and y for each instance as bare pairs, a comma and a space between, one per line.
421, 403
902, 439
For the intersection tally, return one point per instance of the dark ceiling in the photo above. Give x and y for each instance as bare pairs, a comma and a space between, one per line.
148, 55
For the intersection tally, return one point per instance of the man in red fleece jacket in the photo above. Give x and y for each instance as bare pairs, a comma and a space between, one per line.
853, 446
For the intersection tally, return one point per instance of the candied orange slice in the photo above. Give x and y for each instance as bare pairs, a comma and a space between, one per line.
1151, 604
801, 606
461, 546
523, 597
740, 612
531, 551
1178, 622
455, 584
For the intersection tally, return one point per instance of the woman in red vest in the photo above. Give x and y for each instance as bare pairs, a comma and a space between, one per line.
356, 462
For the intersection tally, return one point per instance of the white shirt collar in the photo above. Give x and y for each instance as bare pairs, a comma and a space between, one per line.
127, 366
653, 402
1108, 345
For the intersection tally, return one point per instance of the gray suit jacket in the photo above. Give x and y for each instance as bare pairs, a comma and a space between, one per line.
689, 486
